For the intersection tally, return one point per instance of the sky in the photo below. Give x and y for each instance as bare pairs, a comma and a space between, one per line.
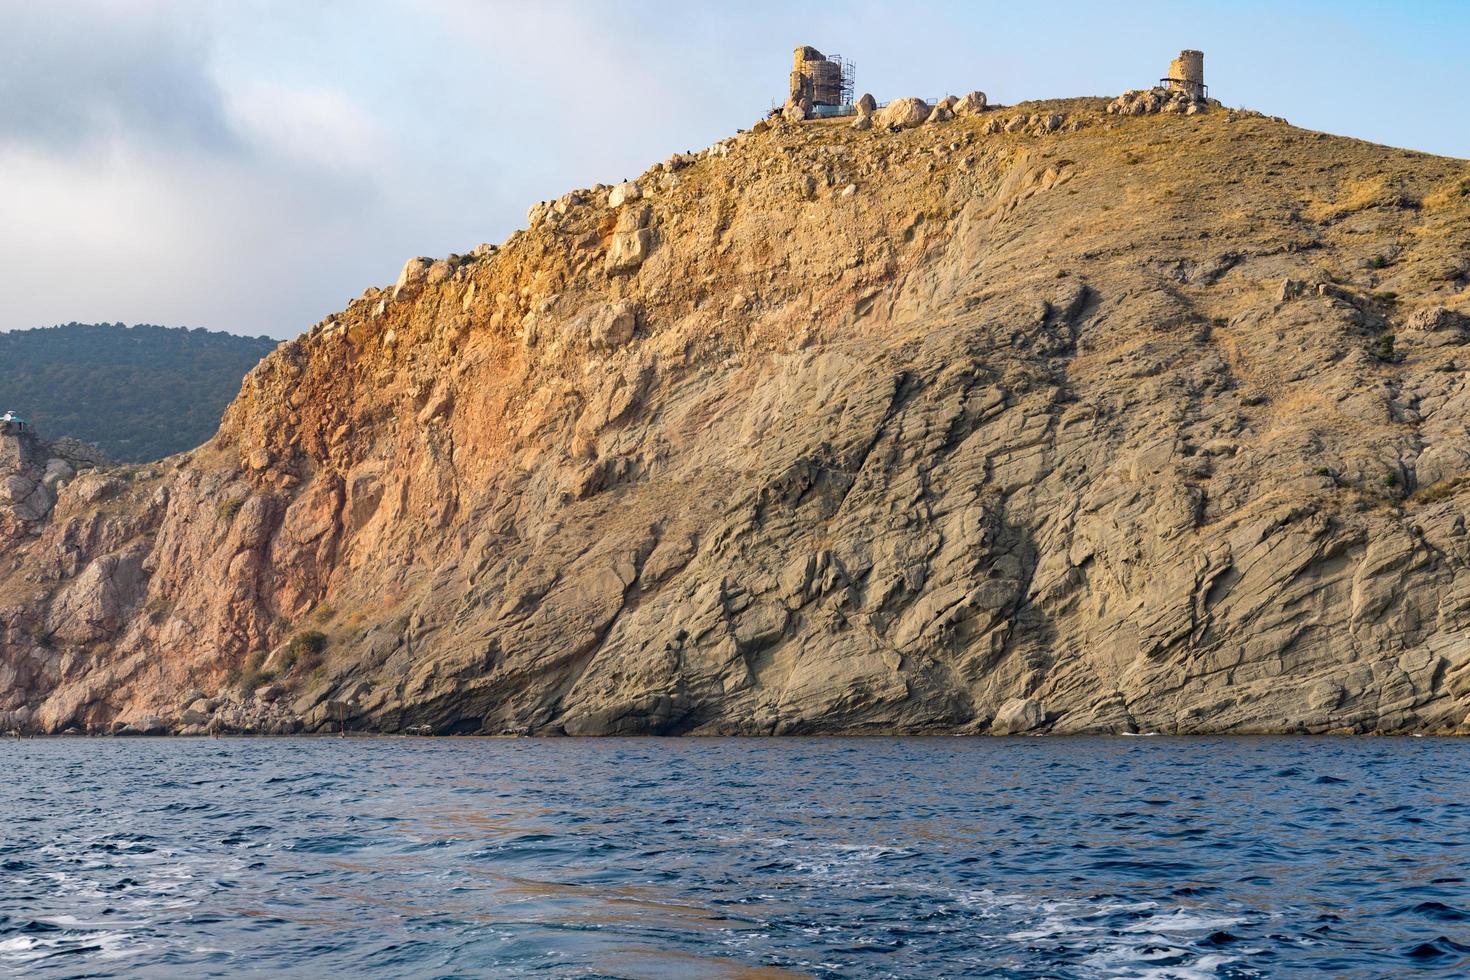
252, 165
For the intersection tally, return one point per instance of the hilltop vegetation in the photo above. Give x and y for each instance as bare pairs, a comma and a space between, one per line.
139, 393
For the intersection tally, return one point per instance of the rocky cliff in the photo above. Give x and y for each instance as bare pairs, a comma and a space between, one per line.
1057, 418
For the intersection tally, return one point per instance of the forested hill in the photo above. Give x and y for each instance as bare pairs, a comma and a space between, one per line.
139, 393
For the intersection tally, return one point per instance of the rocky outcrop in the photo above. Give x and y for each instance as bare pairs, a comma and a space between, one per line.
796, 110
1037, 123
32, 473
968, 427
903, 113
970, 105
625, 193
1142, 102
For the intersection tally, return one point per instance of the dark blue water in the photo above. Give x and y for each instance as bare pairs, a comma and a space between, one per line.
736, 858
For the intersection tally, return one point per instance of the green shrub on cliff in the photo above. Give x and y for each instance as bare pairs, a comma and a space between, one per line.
255, 674
304, 653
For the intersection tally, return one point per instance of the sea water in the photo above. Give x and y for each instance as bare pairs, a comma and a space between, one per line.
689, 858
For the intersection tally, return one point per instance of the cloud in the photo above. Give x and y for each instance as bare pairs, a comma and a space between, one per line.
78, 74
315, 127
142, 183
220, 242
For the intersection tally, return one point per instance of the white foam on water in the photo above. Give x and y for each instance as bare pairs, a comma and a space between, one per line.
1156, 946
119, 946
1136, 962
1112, 937
109, 945
1067, 918
749, 839
870, 852
1182, 920
1052, 929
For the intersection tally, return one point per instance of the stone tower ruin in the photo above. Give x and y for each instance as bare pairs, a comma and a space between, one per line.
820, 79
17, 449
1187, 74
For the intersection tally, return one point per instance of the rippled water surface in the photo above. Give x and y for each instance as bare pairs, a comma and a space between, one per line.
735, 858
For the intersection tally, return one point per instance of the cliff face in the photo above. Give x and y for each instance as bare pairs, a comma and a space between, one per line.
1085, 423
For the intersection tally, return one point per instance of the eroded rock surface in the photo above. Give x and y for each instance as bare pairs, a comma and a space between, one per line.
1045, 420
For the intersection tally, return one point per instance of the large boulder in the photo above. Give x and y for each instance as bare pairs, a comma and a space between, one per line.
95, 604
1018, 715
15, 720
794, 111
31, 500
58, 471
867, 105
970, 105
611, 325
93, 488
146, 725
15, 488
628, 249
414, 271
81, 455
1436, 319
624, 193
903, 113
